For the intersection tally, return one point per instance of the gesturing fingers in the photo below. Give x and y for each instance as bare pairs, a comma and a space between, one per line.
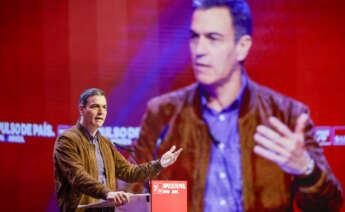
297, 134
280, 127
274, 137
172, 149
269, 155
283, 146
170, 157
300, 125
270, 145
177, 153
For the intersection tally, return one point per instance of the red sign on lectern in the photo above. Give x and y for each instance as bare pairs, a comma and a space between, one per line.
168, 196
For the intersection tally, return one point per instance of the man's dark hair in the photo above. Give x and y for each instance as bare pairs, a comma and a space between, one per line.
88, 93
239, 10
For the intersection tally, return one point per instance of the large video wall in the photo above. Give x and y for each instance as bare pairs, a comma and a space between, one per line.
50, 51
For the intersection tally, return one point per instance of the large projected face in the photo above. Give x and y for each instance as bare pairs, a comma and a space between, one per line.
215, 55
93, 114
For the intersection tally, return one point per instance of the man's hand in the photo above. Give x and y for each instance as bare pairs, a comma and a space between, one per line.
282, 146
170, 157
119, 197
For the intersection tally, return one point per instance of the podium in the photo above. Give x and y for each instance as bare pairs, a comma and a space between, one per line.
166, 196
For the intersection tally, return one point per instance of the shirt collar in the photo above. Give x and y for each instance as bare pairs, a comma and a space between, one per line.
91, 138
235, 104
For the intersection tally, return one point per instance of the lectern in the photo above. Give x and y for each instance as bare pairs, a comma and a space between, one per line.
166, 196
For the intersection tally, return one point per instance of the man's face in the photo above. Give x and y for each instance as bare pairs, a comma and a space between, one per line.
94, 113
212, 45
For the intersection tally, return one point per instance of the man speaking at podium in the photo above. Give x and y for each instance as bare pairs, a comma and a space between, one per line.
246, 147
86, 164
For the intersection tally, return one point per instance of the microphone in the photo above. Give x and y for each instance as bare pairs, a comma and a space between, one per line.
129, 150
160, 140
158, 143
123, 147
131, 154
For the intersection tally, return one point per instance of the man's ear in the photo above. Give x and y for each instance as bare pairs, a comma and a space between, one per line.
243, 47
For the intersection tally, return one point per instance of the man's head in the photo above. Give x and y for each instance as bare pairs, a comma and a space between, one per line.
220, 39
239, 11
92, 108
